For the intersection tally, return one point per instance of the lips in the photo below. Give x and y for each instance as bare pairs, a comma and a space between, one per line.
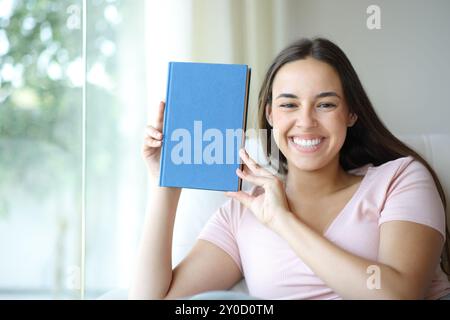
306, 136
312, 144
306, 143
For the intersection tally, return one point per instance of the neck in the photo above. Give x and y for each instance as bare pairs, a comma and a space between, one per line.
316, 184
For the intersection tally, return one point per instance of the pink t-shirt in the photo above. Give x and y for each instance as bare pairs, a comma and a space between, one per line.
402, 189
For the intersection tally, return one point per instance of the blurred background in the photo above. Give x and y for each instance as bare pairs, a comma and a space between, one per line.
403, 64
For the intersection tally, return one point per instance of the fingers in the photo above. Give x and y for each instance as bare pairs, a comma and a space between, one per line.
248, 176
153, 133
160, 116
241, 196
152, 143
254, 167
153, 137
253, 172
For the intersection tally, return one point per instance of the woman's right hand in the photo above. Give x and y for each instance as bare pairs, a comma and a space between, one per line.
151, 149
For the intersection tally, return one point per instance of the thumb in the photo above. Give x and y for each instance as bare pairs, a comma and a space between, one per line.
242, 197
159, 119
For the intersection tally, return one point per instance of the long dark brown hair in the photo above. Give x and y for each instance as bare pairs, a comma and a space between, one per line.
367, 141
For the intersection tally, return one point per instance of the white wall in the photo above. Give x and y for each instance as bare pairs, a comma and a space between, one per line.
403, 66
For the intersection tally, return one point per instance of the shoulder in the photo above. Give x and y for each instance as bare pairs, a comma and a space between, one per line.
396, 165
410, 194
410, 185
394, 169
402, 182
402, 169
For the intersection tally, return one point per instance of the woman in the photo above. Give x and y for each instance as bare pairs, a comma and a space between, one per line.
353, 213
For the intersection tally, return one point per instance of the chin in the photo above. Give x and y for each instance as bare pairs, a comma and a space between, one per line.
306, 164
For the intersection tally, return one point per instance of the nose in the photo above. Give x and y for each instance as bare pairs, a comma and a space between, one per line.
306, 118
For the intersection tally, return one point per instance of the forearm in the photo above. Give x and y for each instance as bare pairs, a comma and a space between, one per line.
153, 273
347, 274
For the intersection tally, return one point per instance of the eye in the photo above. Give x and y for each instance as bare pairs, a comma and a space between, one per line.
326, 105
288, 105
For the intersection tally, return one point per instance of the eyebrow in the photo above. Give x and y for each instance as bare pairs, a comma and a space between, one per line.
320, 95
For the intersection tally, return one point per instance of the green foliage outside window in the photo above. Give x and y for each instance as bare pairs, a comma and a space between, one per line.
40, 90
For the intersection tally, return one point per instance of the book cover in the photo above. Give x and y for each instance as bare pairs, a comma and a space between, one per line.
204, 125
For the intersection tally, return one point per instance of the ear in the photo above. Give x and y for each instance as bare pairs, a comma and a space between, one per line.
269, 114
352, 119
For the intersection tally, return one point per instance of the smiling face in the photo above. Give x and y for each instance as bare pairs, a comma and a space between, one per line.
309, 114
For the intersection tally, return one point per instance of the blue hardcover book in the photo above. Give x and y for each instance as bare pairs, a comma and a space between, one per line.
204, 125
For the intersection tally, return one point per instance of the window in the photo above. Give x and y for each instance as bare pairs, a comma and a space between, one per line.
40, 121
41, 103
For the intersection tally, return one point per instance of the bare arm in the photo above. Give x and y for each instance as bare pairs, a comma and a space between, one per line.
407, 258
207, 267
153, 273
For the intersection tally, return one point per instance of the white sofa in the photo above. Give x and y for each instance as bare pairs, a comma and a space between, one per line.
196, 206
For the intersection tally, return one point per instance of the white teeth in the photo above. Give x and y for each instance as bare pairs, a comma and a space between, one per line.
306, 143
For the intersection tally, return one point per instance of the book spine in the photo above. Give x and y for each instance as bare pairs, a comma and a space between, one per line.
244, 120
165, 128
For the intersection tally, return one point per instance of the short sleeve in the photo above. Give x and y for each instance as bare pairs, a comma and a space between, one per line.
413, 196
221, 229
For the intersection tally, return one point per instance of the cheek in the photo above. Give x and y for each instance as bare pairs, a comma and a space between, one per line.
337, 128
281, 120
281, 124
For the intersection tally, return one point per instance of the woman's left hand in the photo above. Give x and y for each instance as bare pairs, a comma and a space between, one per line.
270, 207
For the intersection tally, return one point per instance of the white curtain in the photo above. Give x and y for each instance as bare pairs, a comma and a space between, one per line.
218, 31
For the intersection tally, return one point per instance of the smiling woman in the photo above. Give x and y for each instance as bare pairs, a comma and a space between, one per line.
329, 129
308, 108
352, 213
